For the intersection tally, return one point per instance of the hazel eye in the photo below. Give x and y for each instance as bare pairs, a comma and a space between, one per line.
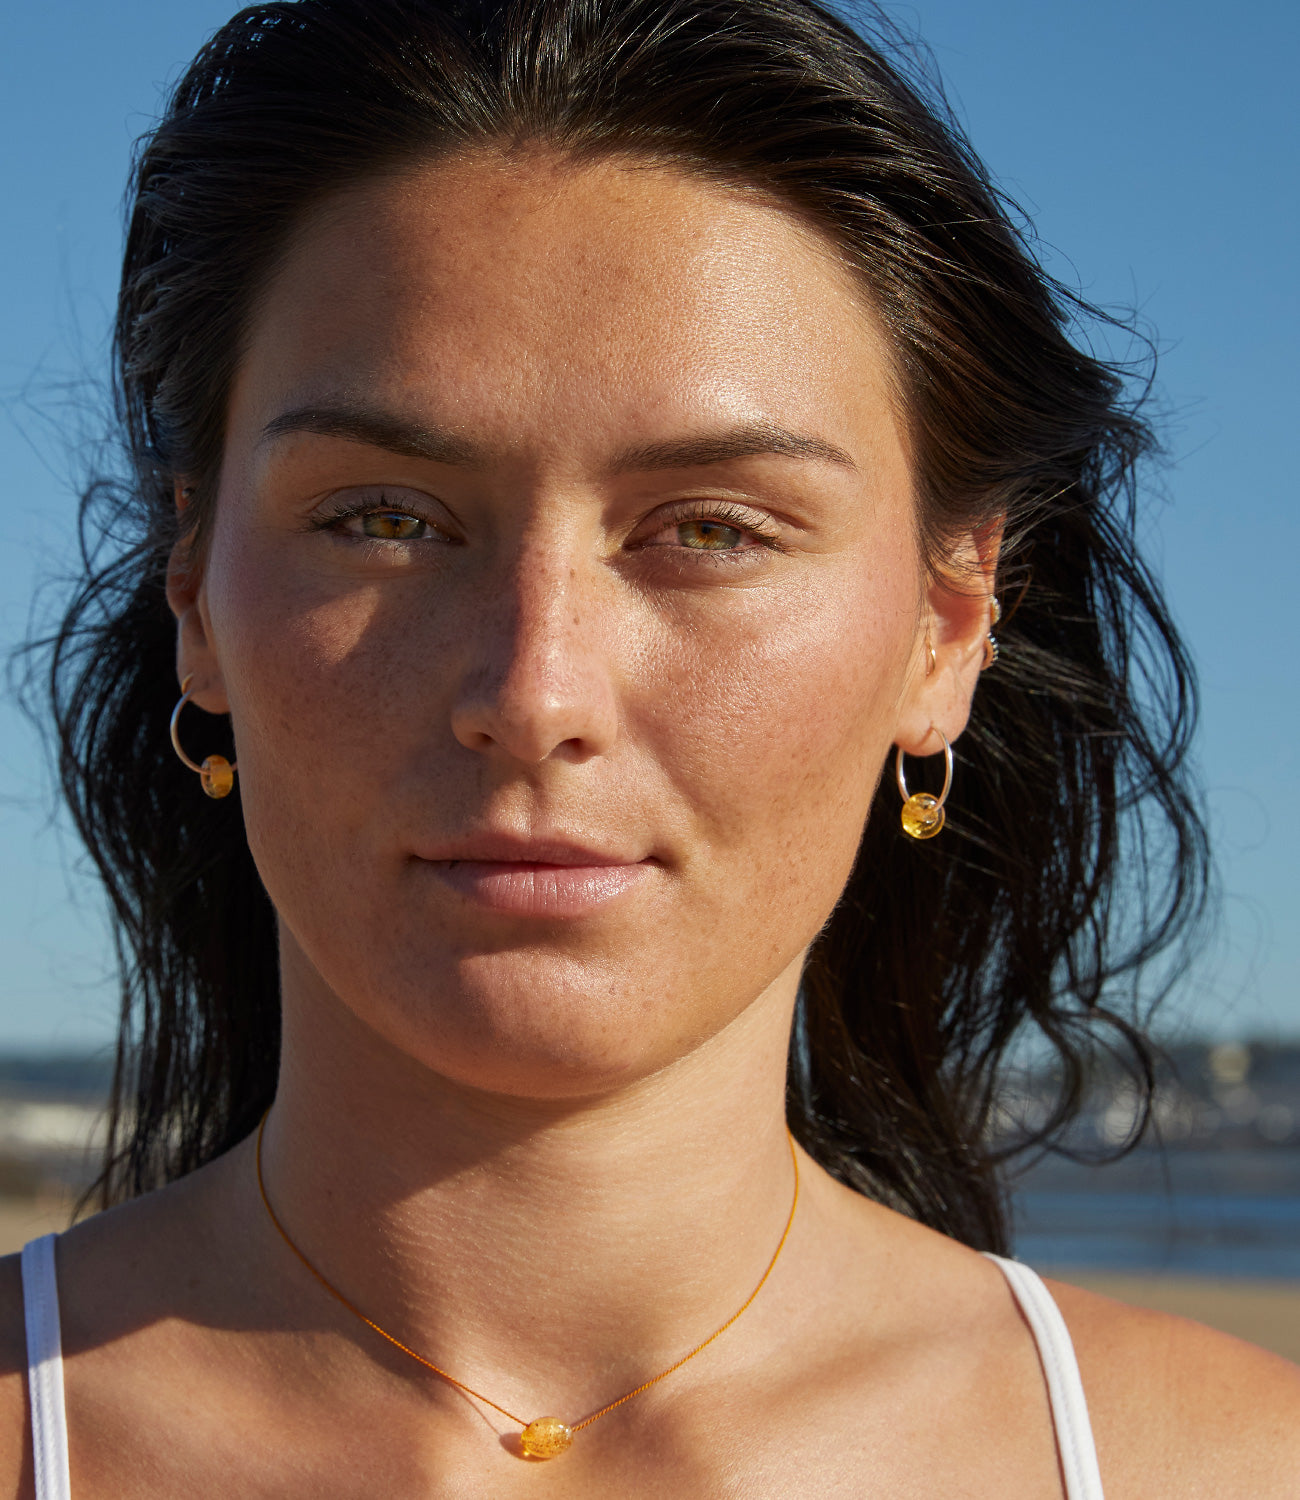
709, 536
716, 527
393, 526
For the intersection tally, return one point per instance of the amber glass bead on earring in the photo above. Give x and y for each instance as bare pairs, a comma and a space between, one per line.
216, 776
547, 1437
922, 816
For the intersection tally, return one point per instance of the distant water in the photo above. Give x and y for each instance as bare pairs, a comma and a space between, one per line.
1208, 1213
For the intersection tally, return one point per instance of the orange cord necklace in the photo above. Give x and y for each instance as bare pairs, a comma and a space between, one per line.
544, 1437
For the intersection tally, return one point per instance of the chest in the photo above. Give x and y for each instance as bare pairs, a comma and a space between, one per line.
970, 1427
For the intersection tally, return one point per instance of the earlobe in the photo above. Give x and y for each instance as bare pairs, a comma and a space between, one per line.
195, 657
181, 583
937, 701
956, 644
182, 575
196, 661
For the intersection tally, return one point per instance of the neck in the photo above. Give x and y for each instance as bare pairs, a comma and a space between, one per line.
631, 1224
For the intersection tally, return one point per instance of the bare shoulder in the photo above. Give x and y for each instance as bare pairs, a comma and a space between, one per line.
15, 1464
1179, 1409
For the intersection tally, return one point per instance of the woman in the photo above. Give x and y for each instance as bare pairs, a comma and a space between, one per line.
579, 449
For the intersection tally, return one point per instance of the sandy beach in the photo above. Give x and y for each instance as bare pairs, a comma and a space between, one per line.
1264, 1312
22, 1219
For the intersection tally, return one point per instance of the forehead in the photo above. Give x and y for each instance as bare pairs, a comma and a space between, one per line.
612, 292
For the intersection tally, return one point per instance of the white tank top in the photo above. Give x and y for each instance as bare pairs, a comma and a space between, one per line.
1074, 1441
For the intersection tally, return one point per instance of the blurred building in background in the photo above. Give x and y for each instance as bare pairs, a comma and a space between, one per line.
1212, 1188
53, 1124
1209, 1097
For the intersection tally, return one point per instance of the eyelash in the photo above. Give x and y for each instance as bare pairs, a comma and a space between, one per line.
724, 512
729, 514
333, 520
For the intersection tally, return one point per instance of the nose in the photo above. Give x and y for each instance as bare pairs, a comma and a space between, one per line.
538, 681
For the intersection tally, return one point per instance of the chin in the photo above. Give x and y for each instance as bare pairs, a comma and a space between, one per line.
533, 1024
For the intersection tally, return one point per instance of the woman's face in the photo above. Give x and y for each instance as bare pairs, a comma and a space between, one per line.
563, 588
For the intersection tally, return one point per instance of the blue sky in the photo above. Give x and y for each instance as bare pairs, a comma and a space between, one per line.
1153, 143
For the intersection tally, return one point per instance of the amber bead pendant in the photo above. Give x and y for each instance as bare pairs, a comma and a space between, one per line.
543, 1437
923, 814
547, 1437
216, 774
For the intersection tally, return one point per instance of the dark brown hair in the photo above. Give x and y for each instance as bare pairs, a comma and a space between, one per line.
1074, 854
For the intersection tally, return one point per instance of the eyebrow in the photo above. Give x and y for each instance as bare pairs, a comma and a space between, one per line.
747, 440
400, 435
377, 429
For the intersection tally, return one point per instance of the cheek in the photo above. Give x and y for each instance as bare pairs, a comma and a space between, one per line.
323, 686
774, 724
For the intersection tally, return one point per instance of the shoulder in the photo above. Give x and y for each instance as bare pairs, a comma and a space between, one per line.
1181, 1410
15, 1467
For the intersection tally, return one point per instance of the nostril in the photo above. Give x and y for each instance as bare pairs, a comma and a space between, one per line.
539, 683
541, 715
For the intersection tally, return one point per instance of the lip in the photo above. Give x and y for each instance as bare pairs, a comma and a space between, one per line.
535, 877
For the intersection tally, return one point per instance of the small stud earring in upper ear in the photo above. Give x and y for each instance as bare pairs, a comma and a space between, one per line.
990, 640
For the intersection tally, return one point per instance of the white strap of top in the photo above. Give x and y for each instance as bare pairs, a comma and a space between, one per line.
45, 1370
1074, 1441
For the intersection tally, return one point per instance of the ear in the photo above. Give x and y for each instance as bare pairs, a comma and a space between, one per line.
195, 656
956, 621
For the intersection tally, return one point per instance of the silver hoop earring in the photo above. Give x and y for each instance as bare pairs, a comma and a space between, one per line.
216, 774
922, 814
